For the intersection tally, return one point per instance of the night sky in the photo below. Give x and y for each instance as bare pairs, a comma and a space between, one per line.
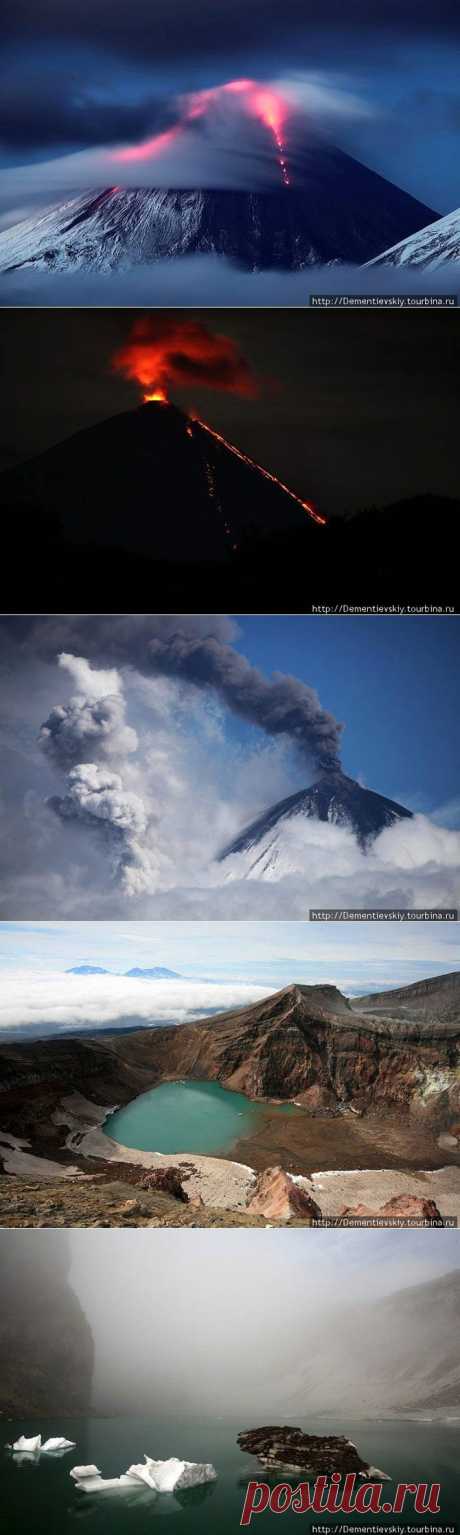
351, 409
88, 76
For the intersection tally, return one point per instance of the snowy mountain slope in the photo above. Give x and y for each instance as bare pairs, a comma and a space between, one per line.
267, 848
341, 212
105, 229
428, 249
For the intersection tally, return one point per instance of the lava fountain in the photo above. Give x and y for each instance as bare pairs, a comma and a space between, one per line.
163, 350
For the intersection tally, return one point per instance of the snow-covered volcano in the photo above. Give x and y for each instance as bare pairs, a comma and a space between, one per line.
341, 211
333, 798
429, 248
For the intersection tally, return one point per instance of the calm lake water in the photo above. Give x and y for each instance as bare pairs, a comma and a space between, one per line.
185, 1116
38, 1497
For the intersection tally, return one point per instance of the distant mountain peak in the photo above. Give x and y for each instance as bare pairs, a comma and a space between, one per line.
87, 970
428, 249
157, 972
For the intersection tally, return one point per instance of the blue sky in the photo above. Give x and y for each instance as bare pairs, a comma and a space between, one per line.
393, 681
355, 956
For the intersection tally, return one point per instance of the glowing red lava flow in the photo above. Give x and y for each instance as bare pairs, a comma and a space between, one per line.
268, 105
307, 506
262, 102
151, 147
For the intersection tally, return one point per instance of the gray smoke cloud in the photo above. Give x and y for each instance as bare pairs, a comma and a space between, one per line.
283, 706
94, 792
92, 726
196, 649
93, 721
97, 798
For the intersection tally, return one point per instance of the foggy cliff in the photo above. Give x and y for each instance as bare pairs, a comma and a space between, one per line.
46, 1344
232, 1324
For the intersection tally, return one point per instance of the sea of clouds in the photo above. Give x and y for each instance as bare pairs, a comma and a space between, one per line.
215, 282
39, 1003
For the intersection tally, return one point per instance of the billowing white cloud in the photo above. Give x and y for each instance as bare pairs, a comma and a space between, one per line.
95, 792
45, 1002
419, 844
327, 854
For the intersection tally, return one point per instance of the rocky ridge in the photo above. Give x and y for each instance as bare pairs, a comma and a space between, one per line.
303, 1043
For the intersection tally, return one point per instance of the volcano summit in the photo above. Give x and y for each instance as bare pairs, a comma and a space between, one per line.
332, 798
157, 482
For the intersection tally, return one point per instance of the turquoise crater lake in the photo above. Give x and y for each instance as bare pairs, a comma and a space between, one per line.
185, 1116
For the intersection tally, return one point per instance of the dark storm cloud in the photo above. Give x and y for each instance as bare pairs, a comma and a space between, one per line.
57, 53
161, 31
55, 110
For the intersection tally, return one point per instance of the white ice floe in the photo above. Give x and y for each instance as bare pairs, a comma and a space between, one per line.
78, 1472
27, 1444
59, 1444
173, 1474
34, 1445
89, 1479
159, 1475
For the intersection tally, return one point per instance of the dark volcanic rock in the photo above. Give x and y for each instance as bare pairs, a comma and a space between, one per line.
168, 1180
190, 498
288, 1449
428, 1002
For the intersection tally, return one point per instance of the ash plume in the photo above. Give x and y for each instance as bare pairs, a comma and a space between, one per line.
162, 350
93, 720
283, 706
94, 792
98, 799
196, 649
89, 741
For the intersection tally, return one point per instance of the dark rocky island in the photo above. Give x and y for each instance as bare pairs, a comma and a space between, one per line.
288, 1449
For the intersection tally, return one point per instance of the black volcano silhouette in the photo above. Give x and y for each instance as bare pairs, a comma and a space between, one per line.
333, 797
155, 482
